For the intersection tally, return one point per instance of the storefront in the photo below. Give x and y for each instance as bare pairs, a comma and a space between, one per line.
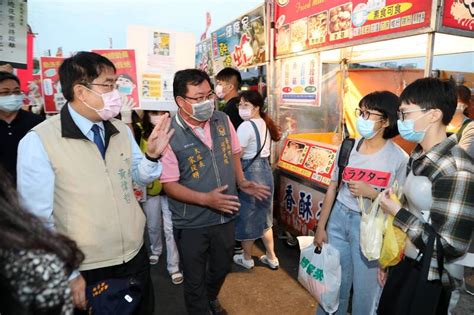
327, 56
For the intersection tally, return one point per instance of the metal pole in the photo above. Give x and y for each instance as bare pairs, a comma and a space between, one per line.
273, 109
429, 54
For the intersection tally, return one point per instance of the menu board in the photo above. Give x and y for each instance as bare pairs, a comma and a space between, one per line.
299, 81
458, 14
241, 43
308, 24
311, 160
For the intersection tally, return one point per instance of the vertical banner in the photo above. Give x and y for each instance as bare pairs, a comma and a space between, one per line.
52, 93
159, 54
204, 57
459, 14
124, 61
242, 43
35, 92
299, 80
13, 29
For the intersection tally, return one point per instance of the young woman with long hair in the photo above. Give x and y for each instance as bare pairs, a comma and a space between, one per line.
255, 216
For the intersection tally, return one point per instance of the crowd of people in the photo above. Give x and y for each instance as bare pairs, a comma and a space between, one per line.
74, 237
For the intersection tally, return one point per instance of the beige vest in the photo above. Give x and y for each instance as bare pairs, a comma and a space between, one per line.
94, 202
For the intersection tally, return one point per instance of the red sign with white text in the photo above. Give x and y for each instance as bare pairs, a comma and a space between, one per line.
124, 62
307, 24
459, 14
52, 92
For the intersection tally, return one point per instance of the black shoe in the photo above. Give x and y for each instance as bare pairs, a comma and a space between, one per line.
216, 308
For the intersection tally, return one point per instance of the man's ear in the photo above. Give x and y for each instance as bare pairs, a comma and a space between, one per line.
436, 115
180, 101
79, 92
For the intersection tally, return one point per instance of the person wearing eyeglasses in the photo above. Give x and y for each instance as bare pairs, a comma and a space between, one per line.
14, 121
201, 175
439, 194
75, 172
375, 163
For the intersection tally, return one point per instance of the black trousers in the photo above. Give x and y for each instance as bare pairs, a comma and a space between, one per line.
206, 257
139, 267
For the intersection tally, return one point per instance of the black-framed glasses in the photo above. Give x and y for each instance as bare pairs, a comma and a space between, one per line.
210, 96
402, 113
14, 92
366, 114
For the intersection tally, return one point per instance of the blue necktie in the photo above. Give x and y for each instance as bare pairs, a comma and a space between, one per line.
98, 140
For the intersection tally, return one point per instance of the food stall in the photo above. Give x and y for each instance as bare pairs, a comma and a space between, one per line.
326, 56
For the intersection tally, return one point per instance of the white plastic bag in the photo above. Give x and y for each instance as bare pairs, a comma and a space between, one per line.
320, 273
371, 229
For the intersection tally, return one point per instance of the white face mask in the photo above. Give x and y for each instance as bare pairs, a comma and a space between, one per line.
461, 107
245, 113
201, 111
11, 103
219, 90
154, 119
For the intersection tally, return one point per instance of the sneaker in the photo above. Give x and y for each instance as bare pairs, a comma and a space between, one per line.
216, 308
241, 261
154, 259
177, 277
273, 264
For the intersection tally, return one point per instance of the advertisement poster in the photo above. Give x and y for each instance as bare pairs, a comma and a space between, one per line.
459, 14
313, 161
159, 55
13, 29
307, 24
204, 57
300, 80
35, 92
241, 43
299, 206
52, 93
124, 61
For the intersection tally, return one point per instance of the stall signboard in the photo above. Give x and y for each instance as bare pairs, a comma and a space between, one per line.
308, 24
52, 92
299, 206
241, 43
13, 30
124, 62
459, 14
204, 57
300, 80
313, 161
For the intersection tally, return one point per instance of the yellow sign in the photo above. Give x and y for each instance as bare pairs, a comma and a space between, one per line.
389, 11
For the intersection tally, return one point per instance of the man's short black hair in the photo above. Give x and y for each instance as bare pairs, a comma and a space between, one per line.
186, 77
387, 104
229, 75
463, 93
126, 76
83, 67
432, 93
8, 76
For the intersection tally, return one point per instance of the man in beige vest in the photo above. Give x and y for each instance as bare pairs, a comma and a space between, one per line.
75, 171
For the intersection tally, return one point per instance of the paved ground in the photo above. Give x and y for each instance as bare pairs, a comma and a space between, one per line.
258, 291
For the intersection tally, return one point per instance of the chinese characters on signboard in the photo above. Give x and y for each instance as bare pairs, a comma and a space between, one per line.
52, 92
13, 29
307, 24
204, 57
241, 43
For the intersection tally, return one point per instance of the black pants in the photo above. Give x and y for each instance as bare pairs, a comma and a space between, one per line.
206, 257
138, 267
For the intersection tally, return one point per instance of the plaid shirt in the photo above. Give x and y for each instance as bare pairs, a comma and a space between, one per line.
451, 173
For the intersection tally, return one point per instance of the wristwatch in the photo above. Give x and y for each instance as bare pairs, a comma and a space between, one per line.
149, 158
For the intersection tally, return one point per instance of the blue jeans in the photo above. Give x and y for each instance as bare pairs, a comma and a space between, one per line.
343, 231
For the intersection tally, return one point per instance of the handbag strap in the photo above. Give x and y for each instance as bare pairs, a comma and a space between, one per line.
257, 134
428, 253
